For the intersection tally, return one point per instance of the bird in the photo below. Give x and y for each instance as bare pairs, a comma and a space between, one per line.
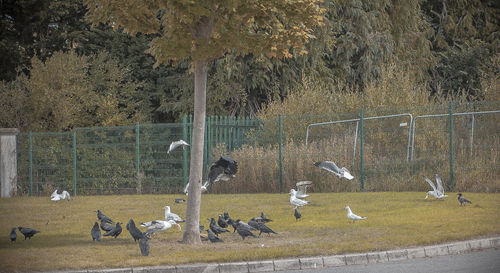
13, 234
437, 192
212, 237
28, 232
172, 216
244, 231
159, 225
297, 214
226, 216
232, 223
241, 223
57, 197
296, 202
462, 199
260, 226
105, 226
115, 231
103, 217
216, 229
332, 167
179, 200
144, 245
262, 218
254, 224
134, 231
302, 189
223, 169
222, 222
176, 144
353, 216
95, 232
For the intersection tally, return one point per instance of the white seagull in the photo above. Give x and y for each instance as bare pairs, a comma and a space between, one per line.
159, 225
438, 192
302, 189
176, 144
353, 216
332, 167
172, 216
57, 197
296, 201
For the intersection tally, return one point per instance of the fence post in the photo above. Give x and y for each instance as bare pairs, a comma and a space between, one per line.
451, 145
185, 176
137, 149
361, 148
280, 154
30, 151
74, 162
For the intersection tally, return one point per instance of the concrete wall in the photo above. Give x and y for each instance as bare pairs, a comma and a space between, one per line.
8, 161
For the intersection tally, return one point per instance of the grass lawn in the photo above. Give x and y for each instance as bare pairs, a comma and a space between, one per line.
395, 220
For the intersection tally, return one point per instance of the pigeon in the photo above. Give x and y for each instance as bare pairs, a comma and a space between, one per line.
57, 197
353, 216
223, 169
222, 222
144, 245
134, 231
212, 237
176, 144
438, 192
95, 232
331, 167
179, 200
462, 200
13, 234
260, 226
244, 231
105, 226
296, 202
302, 189
216, 229
159, 225
103, 217
115, 231
28, 232
297, 214
172, 216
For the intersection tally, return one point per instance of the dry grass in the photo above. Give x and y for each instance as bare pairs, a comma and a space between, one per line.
395, 220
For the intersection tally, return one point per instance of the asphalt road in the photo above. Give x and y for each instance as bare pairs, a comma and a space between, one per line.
486, 261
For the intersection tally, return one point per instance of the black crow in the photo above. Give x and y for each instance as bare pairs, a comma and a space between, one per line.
144, 245
262, 218
216, 229
13, 234
105, 226
462, 200
223, 169
226, 216
260, 226
222, 222
115, 231
134, 231
28, 232
233, 224
253, 223
244, 231
297, 214
213, 238
103, 217
95, 232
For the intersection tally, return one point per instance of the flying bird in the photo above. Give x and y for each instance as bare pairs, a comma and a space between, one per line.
115, 231
134, 231
159, 225
223, 169
144, 245
437, 192
353, 216
297, 214
57, 197
302, 189
462, 200
28, 232
13, 234
212, 237
332, 167
103, 217
176, 144
95, 232
105, 226
172, 216
296, 202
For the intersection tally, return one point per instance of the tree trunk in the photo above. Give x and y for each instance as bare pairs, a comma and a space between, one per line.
191, 230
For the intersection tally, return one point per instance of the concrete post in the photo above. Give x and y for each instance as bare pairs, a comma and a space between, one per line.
8, 161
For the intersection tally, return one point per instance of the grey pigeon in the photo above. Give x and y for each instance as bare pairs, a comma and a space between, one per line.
95, 232
213, 238
462, 200
144, 245
297, 214
105, 226
13, 234
28, 232
115, 231
103, 218
222, 222
216, 229
244, 231
134, 231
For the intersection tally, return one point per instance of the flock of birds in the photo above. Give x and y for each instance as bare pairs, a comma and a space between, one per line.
221, 170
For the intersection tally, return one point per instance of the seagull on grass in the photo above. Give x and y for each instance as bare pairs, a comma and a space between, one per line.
296, 202
13, 234
172, 216
95, 232
28, 232
221, 170
302, 189
353, 216
176, 144
462, 200
333, 168
159, 225
117, 230
57, 197
437, 192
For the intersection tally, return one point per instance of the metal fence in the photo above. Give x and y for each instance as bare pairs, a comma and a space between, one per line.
385, 150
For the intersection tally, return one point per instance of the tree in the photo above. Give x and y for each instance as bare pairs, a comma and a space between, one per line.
203, 31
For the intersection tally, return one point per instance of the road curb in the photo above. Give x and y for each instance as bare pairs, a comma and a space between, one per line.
317, 262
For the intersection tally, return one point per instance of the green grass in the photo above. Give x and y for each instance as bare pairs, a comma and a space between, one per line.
395, 220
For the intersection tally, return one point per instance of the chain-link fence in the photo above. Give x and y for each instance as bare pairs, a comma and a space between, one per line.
384, 149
